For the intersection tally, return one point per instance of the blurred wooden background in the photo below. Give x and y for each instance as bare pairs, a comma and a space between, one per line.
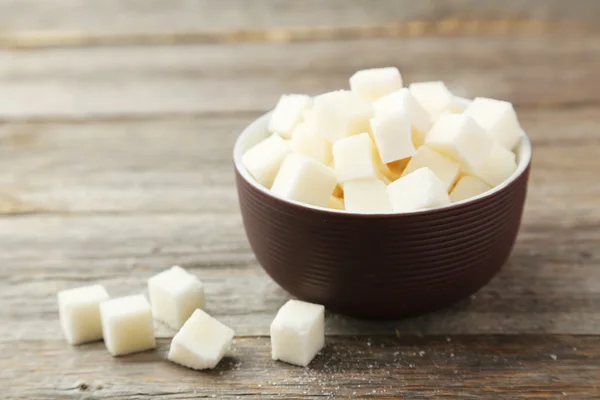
117, 120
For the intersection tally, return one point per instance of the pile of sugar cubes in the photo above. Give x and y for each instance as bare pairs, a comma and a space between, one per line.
381, 147
177, 298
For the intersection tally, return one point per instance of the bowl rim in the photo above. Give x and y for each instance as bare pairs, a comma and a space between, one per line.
525, 155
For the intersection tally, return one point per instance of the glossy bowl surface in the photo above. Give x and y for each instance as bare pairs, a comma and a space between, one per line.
381, 265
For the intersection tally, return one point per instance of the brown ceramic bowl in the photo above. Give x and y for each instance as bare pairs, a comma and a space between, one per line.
381, 265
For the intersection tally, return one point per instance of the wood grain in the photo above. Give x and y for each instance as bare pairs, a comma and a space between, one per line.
138, 81
405, 367
139, 16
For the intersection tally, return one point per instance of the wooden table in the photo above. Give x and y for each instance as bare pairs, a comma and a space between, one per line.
117, 125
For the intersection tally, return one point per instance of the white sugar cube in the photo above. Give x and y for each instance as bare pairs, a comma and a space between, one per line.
127, 325
298, 332
366, 196
264, 159
355, 158
303, 179
402, 100
393, 136
336, 203
201, 342
288, 113
434, 96
443, 167
79, 313
497, 167
498, 118
467, 187
306, 141
418, 190
371, 84
174, 295
460, 138
340, 114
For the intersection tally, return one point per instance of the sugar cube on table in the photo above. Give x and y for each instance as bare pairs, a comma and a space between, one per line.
174, 295
79, 313
433, 96
306, 141
340, 114
336, 203
201, 342
298, 332
127, 325
498, 118
288, 113
392, 133
264, 159
371, 84
445, 168
402, 100
420, 189
460, 138
497, 167
366, 196
355, 158
303, 179
468, 186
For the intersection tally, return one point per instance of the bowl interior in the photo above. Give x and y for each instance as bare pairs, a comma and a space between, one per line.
257, 131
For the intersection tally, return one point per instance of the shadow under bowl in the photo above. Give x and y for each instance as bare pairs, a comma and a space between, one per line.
381, 265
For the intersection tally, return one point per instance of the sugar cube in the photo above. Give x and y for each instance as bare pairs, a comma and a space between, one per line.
201, 342
355, 158
460, 138
340, 114
433, 96
303, 179
498, 118
336, 203
306, 141
402, 100
264, 159
467, 187
418, 190
497, 167
174, 295
443, 167
298, 332
127, 325
371, 84
366, 196
393, 136
79, 313
288, 113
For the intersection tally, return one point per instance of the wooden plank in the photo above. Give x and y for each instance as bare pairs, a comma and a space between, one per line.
550, 284
408, 367
139, 16
119, 82
185, 164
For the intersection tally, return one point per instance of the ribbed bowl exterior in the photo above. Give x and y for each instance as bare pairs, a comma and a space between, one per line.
383, 266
